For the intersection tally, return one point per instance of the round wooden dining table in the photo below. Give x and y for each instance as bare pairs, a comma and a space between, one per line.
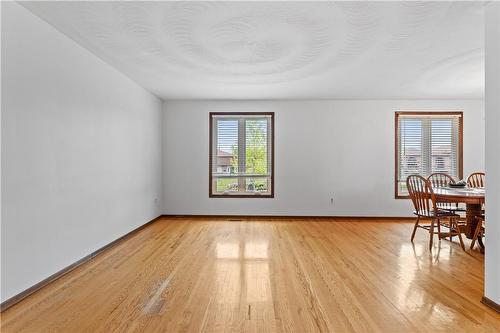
472, 197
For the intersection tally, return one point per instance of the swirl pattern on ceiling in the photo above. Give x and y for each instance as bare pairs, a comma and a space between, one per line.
281, 49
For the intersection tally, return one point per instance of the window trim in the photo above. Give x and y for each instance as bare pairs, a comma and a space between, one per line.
210, 149
460, 115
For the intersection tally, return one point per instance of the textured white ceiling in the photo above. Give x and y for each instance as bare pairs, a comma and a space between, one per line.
266, 50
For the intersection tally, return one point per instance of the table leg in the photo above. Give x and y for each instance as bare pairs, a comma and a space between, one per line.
473, 210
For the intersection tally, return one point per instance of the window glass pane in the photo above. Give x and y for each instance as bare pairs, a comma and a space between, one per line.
257, 184
403, 190
226, 185
441, 147
226, 161
410, 148
256, 146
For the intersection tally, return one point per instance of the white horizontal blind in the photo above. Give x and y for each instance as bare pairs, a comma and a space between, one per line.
427, 144
241, 155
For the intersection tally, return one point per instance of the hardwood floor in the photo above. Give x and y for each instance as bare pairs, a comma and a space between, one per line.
300, 275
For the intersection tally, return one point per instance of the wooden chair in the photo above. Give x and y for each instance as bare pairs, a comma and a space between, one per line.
476, 179
440, 179
479, 232
424, 202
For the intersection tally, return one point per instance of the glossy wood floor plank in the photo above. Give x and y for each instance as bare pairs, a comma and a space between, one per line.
266, 275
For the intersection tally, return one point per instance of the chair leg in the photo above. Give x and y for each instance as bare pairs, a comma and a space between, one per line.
439, 228
476, 234
450, 227
473, 239
415, 228
431, 232
459, 235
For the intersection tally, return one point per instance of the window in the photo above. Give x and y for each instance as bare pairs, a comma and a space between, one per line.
241, 155
427, 142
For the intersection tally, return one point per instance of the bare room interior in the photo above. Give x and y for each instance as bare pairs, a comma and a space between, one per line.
250, 166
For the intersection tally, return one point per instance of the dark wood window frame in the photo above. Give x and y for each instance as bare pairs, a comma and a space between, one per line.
460, 114
210, 178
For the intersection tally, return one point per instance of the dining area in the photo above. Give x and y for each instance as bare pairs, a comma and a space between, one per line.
452, 208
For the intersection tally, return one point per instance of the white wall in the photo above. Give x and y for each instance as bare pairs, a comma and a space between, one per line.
81, 157
492, 257
323, 148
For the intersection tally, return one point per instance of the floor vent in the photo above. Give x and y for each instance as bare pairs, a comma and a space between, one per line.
235, 220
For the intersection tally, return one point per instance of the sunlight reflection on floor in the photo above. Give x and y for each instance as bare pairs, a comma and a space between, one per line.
242, 266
